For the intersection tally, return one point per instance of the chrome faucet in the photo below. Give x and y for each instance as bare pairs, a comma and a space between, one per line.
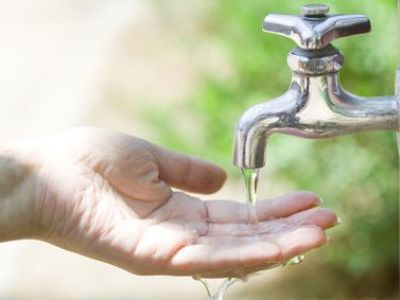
315, 106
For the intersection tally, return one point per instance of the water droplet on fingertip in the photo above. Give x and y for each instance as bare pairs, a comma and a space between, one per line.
294, 261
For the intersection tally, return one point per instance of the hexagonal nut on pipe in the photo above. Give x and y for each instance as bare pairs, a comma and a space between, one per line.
315, 65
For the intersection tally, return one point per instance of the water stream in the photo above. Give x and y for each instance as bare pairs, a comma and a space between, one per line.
251, 181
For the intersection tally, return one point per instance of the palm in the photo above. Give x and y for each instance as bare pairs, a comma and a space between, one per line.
120, 209
213, 239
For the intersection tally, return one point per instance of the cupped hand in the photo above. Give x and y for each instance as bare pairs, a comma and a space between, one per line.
108, 196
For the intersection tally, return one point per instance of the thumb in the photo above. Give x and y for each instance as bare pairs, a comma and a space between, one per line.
188, 173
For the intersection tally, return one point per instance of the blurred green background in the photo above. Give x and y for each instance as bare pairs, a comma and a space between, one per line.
356, 175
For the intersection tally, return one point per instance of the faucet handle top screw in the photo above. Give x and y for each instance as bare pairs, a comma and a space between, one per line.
315, 29
314, 10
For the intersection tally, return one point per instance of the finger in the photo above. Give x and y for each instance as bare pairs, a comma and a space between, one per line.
214, 255
241, 273
251, 230
212, 258
127, 165
188, 173
144, 171
290, 238
321, 217
220, 211
139, 181
287, 205
298, 240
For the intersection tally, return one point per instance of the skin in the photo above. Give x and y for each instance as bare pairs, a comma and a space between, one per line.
109, 196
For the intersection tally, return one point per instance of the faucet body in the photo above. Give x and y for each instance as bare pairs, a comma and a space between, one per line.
315, 106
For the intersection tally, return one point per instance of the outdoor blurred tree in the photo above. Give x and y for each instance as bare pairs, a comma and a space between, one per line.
357, 175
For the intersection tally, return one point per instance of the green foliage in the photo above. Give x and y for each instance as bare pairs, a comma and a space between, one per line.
356, 175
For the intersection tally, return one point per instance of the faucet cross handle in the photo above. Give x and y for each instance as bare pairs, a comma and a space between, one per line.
315, 29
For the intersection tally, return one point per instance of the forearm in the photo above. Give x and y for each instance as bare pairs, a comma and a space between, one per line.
16, 195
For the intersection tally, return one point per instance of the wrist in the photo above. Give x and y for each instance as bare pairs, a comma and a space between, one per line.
17, 177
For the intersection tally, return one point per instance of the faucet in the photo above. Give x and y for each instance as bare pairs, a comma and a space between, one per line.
315, 105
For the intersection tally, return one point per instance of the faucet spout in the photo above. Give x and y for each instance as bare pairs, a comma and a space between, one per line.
314, 107
259, 122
